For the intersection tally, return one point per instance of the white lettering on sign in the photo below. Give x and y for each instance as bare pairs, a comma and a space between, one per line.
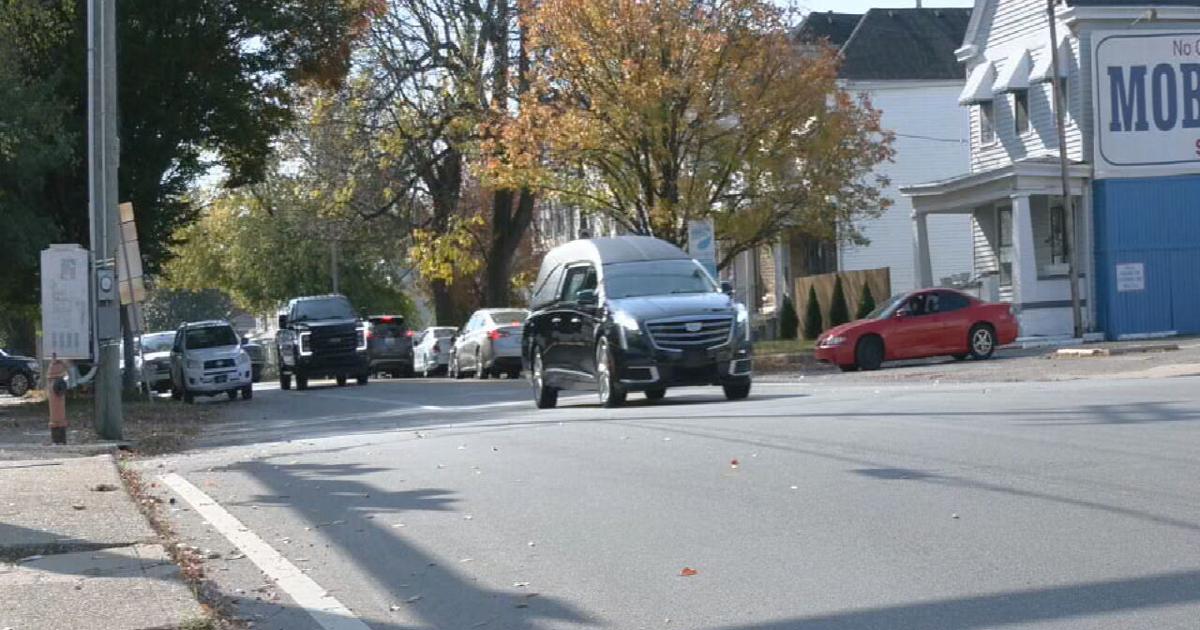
1131, 277
1146, 101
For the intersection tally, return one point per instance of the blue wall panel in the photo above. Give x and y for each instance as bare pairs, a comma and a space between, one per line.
1155, 222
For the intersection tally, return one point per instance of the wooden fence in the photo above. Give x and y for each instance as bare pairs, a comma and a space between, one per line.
880, 281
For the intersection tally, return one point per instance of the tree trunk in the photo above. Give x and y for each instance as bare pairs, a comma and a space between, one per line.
443, 303
509, 226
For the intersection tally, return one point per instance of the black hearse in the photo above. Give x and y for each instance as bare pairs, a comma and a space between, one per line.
632, 313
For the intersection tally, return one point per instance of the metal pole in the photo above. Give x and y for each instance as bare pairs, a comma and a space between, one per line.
1060, 106
333, 263
103, 155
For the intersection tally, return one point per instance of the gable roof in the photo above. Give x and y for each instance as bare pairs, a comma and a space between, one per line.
834, 28
905, 44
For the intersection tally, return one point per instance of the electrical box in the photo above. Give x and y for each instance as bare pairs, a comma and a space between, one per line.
66, 329
106, 285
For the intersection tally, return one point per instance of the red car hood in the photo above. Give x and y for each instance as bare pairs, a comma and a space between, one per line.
846, 329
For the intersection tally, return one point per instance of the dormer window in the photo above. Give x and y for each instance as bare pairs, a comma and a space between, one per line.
1020, 108
987, 122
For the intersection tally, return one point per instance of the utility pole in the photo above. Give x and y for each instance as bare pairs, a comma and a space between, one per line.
1060, 106
334, 266
104, 154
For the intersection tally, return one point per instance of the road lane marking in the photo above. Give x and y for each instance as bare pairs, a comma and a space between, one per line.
324, 608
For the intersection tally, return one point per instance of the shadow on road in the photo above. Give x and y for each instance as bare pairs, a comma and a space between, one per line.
1009, 608
337, 501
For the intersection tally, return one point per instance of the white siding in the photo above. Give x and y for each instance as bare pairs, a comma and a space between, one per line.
1016, 26
931, 144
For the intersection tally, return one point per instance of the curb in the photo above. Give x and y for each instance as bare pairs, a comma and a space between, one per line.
1112, 352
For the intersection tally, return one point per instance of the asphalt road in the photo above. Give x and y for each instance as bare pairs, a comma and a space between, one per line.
457, 505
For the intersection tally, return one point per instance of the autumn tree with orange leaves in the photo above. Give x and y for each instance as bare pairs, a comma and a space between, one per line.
657, 113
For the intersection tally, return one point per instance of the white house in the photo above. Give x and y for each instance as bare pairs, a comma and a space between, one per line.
904, 61
1131, 78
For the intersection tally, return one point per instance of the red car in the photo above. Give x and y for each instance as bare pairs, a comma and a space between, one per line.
925, 323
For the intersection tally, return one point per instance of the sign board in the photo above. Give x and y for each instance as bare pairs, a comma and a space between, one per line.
1131, 277
1146, 101
66, 333
702, 244
129, 260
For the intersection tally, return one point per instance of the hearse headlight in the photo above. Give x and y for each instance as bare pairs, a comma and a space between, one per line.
627, 327
743, 321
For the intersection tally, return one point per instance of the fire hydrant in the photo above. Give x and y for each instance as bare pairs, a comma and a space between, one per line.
56, 395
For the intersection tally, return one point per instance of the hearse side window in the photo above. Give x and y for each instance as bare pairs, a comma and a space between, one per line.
580, 278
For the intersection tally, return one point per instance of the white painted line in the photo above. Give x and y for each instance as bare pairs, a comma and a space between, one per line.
324, 608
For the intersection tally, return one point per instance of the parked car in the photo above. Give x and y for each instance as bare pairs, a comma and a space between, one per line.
489, 344
633, 313
258, 357
919, 324
154, 360
207, 359
431, 350
321, 337
390, 346
18, 374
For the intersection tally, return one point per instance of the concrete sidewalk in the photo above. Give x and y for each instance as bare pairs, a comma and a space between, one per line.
75, 552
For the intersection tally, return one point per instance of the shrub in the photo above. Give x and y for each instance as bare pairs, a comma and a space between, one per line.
812, 315
866, 302
839, 312
789, 322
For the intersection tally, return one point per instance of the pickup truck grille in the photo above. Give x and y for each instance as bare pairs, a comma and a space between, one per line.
335, 342
694, 333
218, 363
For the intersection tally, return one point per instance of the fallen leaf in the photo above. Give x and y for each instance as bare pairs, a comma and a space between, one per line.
79, 506
414, 599
104, 487
688, 572
520, 584
733, 464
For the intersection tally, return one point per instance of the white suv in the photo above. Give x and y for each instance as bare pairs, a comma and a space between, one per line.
207, 359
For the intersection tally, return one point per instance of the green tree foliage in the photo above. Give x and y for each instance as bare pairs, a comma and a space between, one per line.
200, 82
789, 322
812, 315
166, 309
262, 258
866, 302
839, 311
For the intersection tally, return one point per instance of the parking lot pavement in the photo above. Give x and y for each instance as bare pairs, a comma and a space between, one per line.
1015, 365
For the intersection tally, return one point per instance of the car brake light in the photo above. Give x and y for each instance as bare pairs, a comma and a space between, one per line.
386, 320
409, 334
497, 334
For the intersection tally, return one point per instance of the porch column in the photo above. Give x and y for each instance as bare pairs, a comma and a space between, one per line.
1024, 253
922, 264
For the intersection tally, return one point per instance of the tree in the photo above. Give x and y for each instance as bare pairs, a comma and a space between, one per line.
812, 315
839, 311
789, 322
167, 309
866, 302
261, 259
656, 113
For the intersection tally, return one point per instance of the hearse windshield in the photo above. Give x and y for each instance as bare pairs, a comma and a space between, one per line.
659, 277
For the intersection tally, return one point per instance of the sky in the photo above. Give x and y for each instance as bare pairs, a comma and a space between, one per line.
860, 6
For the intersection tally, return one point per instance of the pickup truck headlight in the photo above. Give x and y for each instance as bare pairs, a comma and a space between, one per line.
304, 344
362, 338
627, 327
33, 366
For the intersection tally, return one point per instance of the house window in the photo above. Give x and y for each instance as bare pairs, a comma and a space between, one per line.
987, 122
1004, 241
1020, 104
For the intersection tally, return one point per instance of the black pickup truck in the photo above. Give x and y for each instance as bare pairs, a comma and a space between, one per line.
321, 337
